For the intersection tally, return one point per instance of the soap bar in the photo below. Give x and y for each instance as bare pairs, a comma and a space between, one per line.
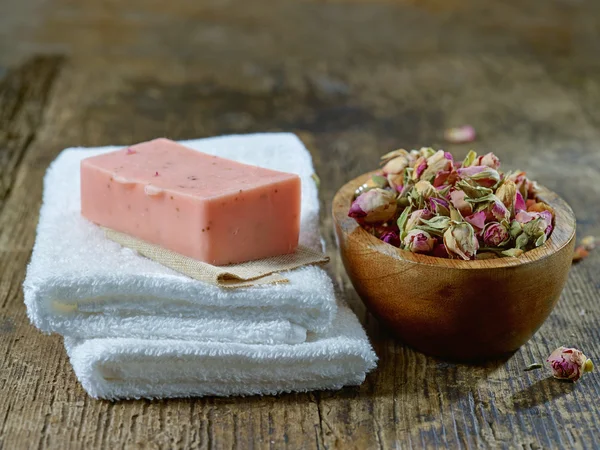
208, 208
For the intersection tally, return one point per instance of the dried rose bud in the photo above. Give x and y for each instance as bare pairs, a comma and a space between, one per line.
442, 177
524, 216
396, 181
489, 160
460, 241
521, 182
589, 242
569, 363
413, 155
426, 152
580, 253
514, 252
396, 165
515, 229
460, 135
419, 168
519, 202
506, 193
440, 162
425, 190
495, 234
477, 220
538, 228
376, 205
539, 207
482, 175
415, 218
391, 238
497, 211
457, 198
443, 191
548, 217
469, 159
532, 188
535, 227
436, 225
418, 241
472, 190
439, 206
393, 154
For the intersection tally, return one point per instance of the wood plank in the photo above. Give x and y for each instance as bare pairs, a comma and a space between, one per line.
23, 94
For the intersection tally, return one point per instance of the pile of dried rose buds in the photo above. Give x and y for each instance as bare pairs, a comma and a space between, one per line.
425, 202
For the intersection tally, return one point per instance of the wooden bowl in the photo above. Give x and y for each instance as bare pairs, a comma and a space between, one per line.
461, 310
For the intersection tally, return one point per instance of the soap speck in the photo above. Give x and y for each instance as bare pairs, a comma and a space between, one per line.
152, 190
123, 181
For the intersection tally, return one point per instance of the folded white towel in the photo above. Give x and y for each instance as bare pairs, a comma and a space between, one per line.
80, 284
135, 368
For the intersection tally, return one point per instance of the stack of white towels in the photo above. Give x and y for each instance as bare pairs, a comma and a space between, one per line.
134, 328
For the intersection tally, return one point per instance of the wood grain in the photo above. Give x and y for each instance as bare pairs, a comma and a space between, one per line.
353, 79
23, 94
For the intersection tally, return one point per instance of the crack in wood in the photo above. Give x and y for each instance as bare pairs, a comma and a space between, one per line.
23, 97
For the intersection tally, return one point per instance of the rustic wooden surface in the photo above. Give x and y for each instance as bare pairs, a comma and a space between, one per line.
353, 79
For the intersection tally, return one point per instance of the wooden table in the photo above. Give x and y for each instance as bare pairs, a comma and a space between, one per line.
353, 79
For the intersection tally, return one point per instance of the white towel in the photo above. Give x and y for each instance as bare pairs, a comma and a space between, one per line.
135, 368
81, 285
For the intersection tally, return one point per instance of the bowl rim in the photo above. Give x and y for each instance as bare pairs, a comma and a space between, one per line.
562, 234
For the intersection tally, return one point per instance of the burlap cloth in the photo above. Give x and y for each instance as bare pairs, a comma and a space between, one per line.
251, 273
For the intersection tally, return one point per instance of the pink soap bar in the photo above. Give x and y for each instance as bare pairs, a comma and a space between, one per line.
208, 208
